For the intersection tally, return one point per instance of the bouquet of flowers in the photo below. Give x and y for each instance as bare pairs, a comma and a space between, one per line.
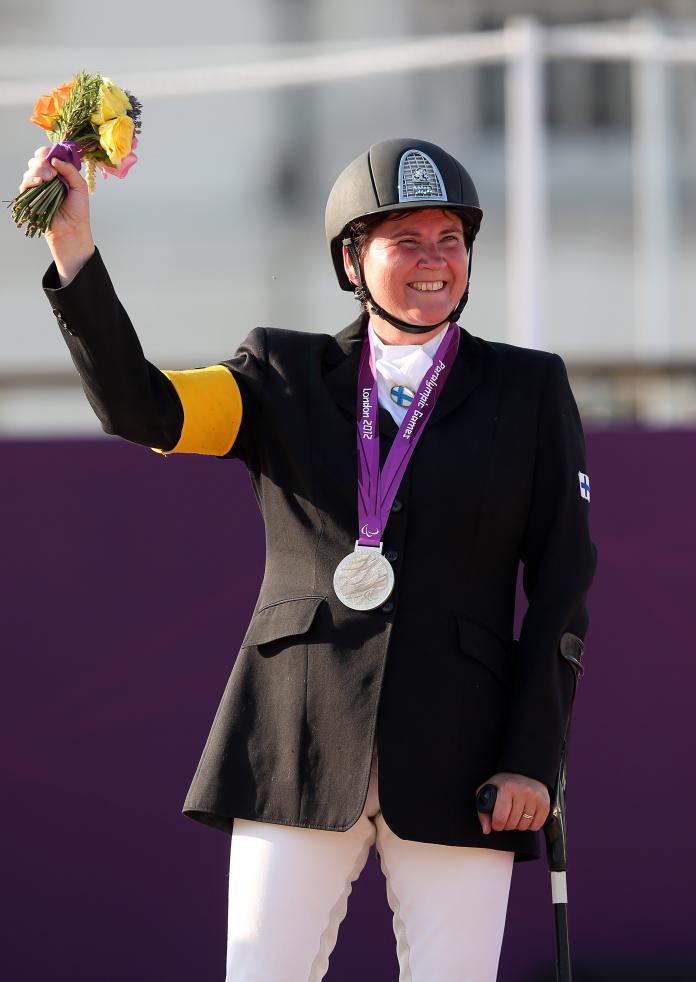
89, 118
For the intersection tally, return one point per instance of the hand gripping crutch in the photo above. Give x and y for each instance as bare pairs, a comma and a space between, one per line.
571, 648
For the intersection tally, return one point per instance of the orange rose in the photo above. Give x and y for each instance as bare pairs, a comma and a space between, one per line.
48, 106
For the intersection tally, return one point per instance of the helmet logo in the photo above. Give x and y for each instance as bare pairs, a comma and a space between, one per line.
419, 178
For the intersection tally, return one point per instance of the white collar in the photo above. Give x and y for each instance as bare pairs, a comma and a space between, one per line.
396, 351
403, 364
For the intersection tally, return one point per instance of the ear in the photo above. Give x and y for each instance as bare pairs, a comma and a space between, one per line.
348, 266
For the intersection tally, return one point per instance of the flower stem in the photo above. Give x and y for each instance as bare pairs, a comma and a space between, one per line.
37, 206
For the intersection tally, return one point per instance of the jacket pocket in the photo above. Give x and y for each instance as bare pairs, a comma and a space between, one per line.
282, 619
486, 647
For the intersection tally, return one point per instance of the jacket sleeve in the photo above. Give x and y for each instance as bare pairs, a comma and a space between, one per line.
559, 560
196, 411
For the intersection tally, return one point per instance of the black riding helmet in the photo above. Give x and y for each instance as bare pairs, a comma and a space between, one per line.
398, 175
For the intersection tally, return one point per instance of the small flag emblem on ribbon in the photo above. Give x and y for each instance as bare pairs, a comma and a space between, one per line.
584, 485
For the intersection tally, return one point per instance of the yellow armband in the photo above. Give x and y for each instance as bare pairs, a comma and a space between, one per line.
212, 405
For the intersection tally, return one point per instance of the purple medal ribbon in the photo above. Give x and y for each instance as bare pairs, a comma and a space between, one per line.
376, 491
70, 152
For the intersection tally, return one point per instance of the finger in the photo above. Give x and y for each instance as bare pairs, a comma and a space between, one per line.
485, 821
36, 175
501, 812
39, 157
525, 823
29, 178
70, 173
483, 817
540, 816
515, 813
34, 164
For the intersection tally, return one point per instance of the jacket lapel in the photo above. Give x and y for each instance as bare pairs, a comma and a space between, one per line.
341, 376
466, 374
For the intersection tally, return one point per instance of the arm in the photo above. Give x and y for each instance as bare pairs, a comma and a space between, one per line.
130, 397
194, 411
559, 563
198, 411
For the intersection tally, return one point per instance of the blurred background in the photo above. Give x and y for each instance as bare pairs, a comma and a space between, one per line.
579, 135
124, 598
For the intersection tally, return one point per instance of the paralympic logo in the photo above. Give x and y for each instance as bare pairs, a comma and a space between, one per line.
365, 531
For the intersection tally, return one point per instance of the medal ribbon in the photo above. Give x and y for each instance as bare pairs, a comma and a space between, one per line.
376, 491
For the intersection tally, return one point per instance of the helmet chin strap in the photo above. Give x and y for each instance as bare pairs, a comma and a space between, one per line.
363, 294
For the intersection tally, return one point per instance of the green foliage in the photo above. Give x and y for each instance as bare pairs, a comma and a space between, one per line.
78, 107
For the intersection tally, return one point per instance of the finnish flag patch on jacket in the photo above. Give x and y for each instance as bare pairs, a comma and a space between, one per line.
584, 485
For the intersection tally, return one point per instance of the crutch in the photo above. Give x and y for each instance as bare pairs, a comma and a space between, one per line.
571, 648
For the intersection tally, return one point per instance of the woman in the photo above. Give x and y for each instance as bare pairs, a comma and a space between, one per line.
403, 468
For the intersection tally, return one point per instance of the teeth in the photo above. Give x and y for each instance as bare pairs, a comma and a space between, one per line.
436, 285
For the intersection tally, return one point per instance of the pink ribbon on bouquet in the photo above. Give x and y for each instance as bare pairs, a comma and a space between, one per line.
125, 165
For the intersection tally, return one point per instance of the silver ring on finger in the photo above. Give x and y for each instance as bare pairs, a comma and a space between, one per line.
527, 815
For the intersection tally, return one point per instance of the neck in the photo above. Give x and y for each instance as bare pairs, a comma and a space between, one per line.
388, 334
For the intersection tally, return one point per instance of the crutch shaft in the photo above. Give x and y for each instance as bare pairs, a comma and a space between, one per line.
563, 969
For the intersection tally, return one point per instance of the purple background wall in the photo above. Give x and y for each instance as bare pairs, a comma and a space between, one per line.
127, 583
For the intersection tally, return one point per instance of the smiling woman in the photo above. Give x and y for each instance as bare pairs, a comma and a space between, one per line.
415, 265
416, 189
404, 469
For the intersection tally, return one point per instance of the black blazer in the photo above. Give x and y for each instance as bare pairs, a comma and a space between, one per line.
435, 675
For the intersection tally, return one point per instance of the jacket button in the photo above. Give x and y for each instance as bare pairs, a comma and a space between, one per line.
62, 321
388, 607
397, 505
392, 555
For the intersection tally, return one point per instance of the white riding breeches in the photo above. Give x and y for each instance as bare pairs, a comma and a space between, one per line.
289, 888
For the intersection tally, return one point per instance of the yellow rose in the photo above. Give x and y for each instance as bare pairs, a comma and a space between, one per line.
116, 137
113, 102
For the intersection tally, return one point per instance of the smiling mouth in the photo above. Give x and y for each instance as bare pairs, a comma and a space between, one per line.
426, 286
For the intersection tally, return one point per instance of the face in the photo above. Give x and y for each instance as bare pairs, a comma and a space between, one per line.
416, 267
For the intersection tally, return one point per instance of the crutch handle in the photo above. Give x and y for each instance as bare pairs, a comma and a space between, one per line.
485, 799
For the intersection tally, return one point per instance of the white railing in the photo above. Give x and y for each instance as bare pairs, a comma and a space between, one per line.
522, 46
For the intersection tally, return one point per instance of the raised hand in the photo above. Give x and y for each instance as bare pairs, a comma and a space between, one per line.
70, 236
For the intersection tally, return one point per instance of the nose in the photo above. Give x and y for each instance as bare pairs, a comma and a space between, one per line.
431, 256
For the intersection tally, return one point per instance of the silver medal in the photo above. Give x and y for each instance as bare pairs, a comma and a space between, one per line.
364, 579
